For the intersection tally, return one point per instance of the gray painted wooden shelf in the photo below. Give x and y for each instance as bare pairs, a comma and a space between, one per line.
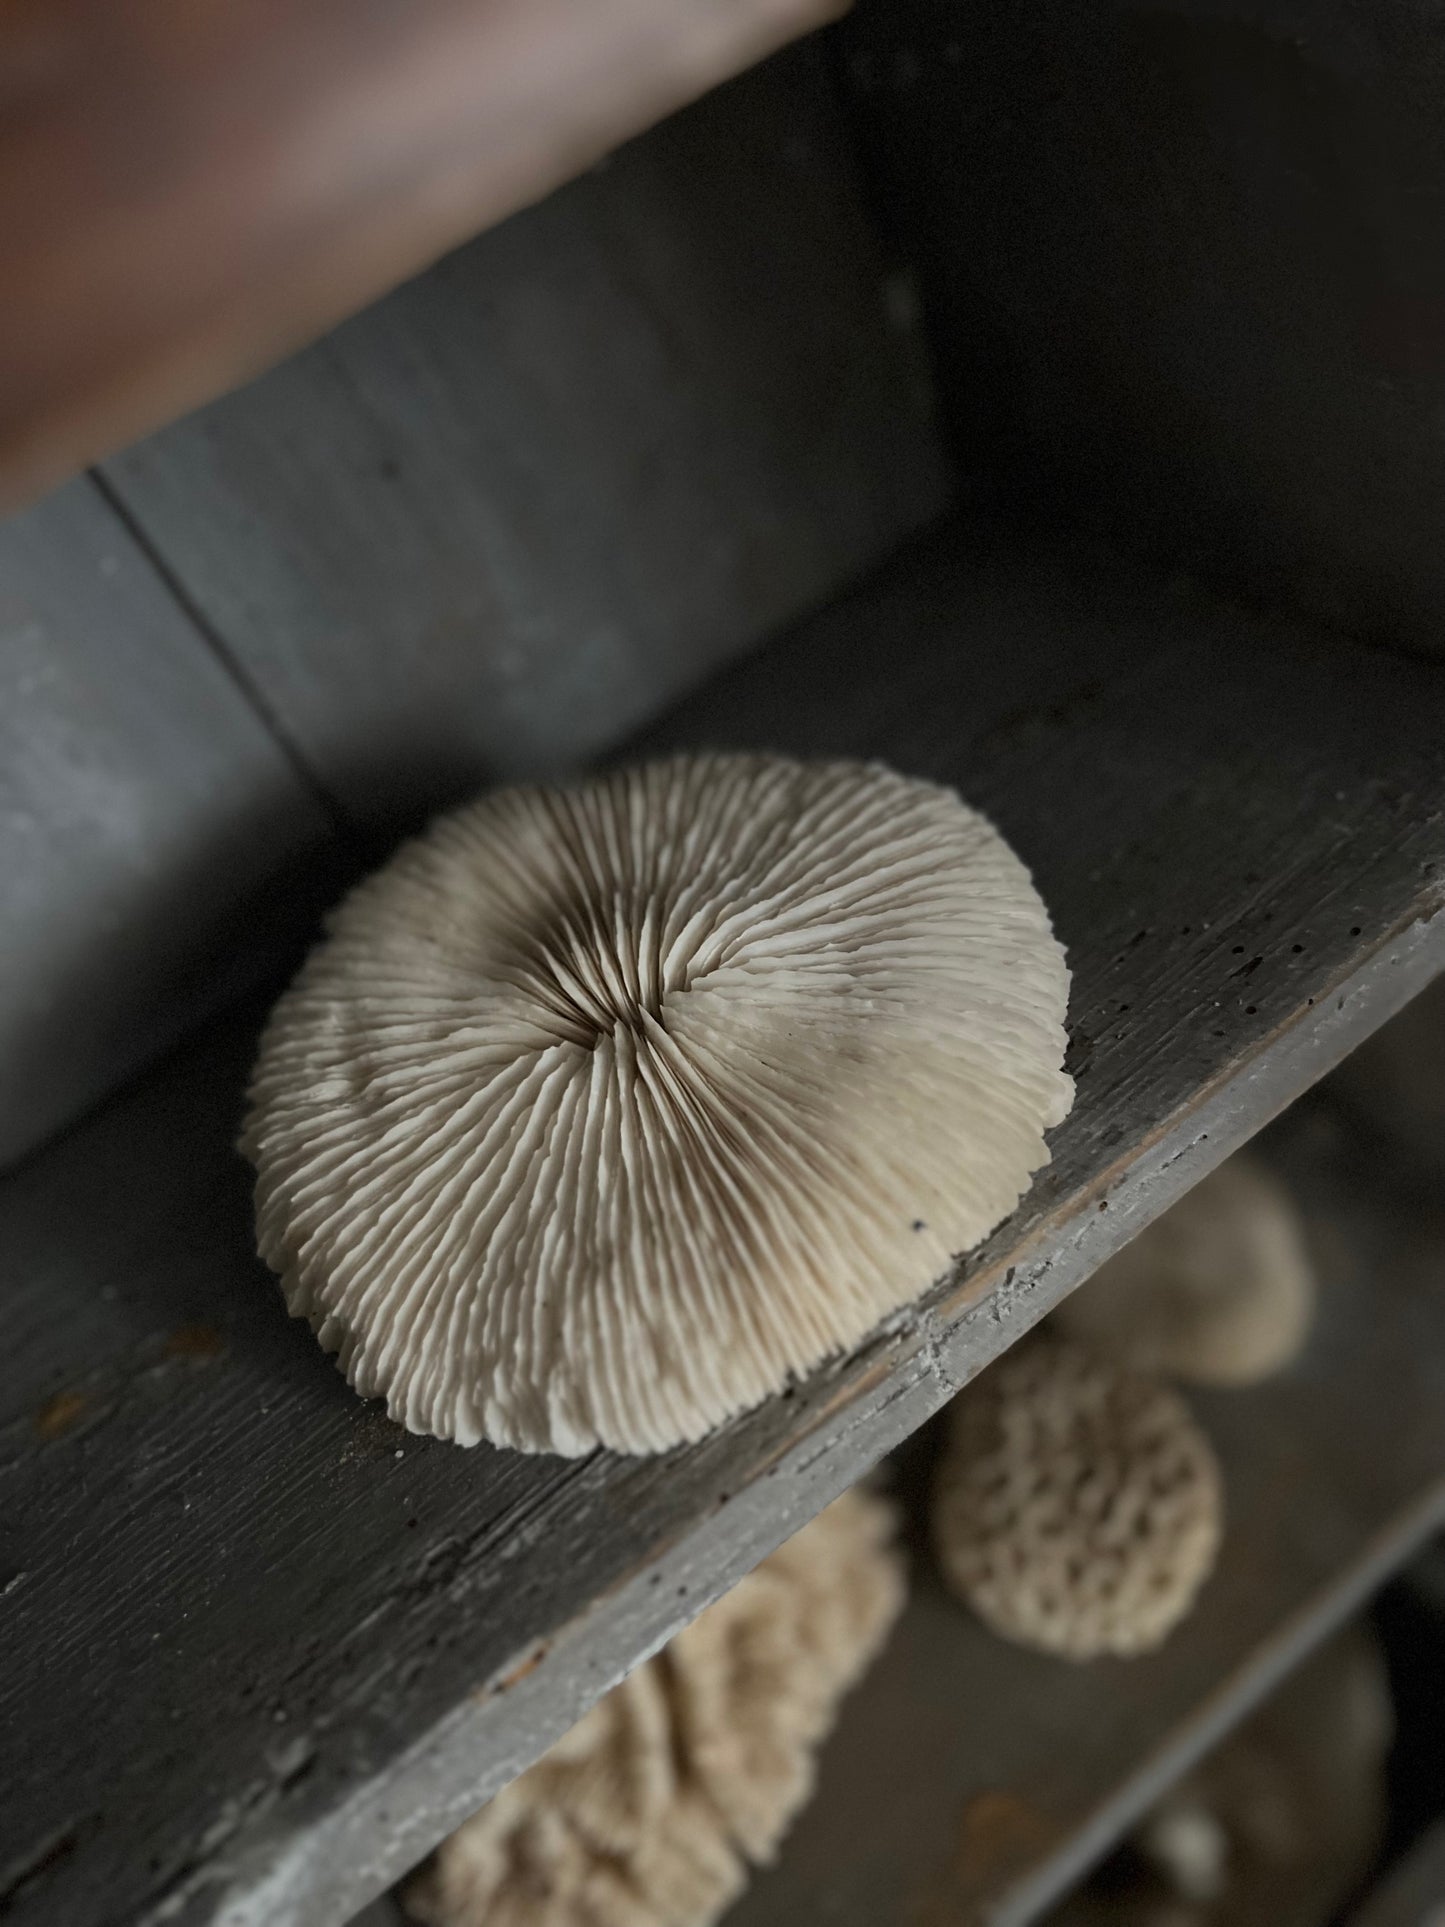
260, 1649
972, 1782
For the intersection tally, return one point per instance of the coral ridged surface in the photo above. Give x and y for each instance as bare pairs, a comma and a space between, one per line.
603, 1109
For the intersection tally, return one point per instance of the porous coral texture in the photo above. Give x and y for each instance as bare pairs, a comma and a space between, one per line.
602, 1110
1077, 1506
650, 1810
1219, 1290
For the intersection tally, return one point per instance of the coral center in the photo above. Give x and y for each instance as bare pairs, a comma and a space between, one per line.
595, 973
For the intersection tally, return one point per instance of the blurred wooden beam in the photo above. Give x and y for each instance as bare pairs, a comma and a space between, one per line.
190, 189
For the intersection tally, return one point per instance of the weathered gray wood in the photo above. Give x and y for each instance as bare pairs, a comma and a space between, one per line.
1185, 268
256, 1662
972, 1782
500, 518
150, 827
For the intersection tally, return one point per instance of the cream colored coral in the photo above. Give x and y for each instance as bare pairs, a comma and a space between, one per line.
1077, 1506
1219, 1290
648, 1813
603, 1109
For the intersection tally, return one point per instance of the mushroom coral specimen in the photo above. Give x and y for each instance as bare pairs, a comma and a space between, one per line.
649, 1811
1219, 1290
603, 1109
1077, 1507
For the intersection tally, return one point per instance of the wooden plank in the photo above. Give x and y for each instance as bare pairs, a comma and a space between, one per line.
972, 1782
257, 1662
150, 828
1185, 273
498, 520
186, 196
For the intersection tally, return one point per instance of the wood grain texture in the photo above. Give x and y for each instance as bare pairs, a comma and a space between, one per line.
972, 1782
502, 517
188, 193
1186, 272
257, 1662
151, 831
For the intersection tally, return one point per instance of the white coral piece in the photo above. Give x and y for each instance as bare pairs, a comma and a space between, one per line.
650, 1810
1219, 1290
604, 1109
1077, 1506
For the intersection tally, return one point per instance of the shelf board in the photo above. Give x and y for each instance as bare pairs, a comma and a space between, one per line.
974, 1782
261, 1649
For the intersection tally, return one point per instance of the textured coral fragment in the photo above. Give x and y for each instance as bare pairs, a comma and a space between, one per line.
1077, 1506
1217, 1291
604, 1109
650, 1810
